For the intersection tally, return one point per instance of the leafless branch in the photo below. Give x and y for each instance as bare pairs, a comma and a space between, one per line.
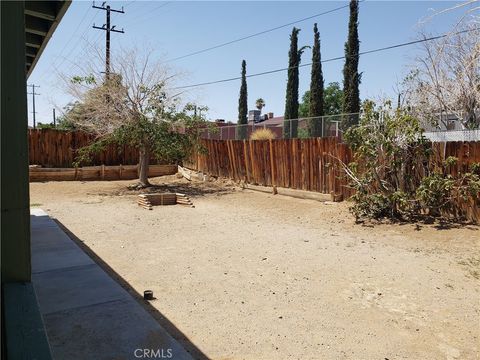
446, 76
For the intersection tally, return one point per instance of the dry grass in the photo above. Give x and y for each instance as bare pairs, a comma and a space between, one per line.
262, 134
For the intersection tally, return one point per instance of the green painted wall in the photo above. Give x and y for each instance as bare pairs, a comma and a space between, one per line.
15, 214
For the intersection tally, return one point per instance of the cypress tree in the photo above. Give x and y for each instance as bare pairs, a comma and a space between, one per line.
351, 77
242, 105
290, 128
316, 88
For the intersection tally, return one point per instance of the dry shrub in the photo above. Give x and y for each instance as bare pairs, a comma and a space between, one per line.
262, 134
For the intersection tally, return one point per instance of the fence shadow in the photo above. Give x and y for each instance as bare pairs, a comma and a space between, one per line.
177, 334
316, 164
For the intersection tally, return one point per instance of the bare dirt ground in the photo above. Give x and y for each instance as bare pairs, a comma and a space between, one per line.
248, 275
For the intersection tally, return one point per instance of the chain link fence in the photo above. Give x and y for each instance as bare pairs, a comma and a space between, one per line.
448, 128
322, 126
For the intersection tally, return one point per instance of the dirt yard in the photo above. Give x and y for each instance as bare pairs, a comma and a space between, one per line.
248, 275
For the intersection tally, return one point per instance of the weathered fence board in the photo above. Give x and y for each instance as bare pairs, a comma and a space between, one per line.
120, 172
304, 164
311, 164
59, 149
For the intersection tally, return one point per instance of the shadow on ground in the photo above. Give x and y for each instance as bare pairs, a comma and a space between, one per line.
194, 189
189, 346
442, 225
418, 224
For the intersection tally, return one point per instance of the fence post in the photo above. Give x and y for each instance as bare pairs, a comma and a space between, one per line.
252, 160
246, 160
272, 166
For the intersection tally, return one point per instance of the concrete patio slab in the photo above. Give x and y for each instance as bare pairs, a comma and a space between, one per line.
41, 219
87, 314
48, 238
53, 249
72, 287
124, 332
50, 260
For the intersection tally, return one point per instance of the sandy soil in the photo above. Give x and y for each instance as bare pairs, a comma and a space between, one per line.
248, 275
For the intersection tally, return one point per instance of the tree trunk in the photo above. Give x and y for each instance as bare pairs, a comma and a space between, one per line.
143, 167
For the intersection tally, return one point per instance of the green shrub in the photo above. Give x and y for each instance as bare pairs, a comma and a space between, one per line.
391, 173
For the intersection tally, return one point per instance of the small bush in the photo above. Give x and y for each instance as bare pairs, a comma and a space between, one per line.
390, 171
262, 134
375, 206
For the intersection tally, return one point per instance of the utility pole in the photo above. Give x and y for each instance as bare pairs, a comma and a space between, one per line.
106, 27
33, 93
54, 119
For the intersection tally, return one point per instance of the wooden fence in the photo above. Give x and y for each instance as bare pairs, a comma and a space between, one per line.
58, 149
310, 164
305, 164
120, 172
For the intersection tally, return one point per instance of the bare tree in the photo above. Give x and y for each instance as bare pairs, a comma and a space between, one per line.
133, 105
446, 77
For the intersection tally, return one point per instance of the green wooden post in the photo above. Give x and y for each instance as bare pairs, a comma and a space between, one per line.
15, 215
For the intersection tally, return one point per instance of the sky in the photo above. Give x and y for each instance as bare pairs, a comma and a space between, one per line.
171, 29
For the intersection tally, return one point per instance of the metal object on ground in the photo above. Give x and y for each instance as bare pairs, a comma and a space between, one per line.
148, 295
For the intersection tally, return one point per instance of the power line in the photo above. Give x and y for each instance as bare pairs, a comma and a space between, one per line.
129, 3
75, 31
191, 54
260, 33
75, 46
144, 17
327, 60
83, 34
108, 29
59, 56
77, 43
137, 10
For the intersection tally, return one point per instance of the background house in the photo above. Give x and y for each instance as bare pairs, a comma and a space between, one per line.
450, 127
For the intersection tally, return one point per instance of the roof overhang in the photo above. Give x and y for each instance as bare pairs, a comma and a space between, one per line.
41, 20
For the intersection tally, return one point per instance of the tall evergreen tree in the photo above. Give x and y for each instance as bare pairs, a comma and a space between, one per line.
290, 127
243, 105
351, 76
316, 107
